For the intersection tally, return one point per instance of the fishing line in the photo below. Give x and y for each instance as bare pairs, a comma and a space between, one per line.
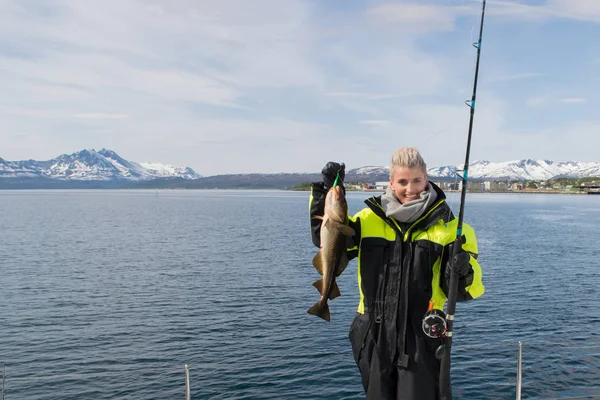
337, 177
433, 135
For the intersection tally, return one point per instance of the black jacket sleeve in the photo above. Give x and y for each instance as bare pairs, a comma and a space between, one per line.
316, 208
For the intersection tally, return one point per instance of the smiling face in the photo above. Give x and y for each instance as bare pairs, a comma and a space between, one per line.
408, 183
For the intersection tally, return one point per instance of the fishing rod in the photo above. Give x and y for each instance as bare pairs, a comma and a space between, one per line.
445, 391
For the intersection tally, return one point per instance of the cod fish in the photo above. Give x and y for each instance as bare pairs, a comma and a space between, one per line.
331, 260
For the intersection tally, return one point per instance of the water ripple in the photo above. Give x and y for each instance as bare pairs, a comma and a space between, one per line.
107, 294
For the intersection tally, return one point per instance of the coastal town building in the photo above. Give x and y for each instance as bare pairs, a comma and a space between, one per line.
495, 186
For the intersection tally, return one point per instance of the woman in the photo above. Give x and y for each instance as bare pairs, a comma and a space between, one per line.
403, 242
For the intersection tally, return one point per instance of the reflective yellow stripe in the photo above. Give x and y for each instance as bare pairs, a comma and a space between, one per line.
441, 233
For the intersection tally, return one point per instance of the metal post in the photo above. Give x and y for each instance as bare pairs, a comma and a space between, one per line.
3, 380
187, 382
520, 371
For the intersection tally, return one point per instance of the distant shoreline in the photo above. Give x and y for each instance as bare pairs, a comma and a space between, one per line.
307, 190
524, 191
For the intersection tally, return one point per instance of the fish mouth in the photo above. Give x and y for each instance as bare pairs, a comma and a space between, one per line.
337, 192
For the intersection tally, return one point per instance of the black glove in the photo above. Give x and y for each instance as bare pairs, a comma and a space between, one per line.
460, 264
330, 172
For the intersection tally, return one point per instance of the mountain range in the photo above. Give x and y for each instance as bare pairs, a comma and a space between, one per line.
88, 165
89, 168
535, 170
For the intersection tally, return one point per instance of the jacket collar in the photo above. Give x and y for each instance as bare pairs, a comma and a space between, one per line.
438, 210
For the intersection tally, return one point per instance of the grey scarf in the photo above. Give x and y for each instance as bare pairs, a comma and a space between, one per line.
407, 212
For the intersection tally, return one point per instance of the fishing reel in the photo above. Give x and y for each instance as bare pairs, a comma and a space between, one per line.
434, 324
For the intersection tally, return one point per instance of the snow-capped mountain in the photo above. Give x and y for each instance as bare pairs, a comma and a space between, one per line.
537, 170
92, 165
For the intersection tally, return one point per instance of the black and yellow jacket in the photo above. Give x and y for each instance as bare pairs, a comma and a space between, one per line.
401, 268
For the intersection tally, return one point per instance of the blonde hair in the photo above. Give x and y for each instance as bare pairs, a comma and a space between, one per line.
407, 157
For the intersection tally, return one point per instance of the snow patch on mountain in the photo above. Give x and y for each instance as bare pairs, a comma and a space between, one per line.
165, 170
370, 170
526, 169
91, 165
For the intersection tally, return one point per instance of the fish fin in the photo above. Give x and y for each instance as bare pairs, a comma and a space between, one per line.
320, 309
347, 231
342, 264
343, 228
318, 262
324, 220
319, 285
335, 291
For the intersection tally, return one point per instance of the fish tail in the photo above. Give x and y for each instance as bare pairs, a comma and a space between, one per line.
320, 309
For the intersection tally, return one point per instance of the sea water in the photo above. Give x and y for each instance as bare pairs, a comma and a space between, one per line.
108, 294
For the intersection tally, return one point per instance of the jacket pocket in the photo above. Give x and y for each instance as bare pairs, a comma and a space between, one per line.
425, 255
373, 257
359, 330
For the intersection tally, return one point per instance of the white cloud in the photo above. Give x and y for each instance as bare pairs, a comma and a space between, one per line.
100, 116
547, 101
538, 101
573, 100
72, 74
514, 77
187, 51
376, 122
416, 17
586, 10
517, 10
548, 143
234, 86
365, 96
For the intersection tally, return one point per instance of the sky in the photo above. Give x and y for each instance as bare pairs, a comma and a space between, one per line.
266, 86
